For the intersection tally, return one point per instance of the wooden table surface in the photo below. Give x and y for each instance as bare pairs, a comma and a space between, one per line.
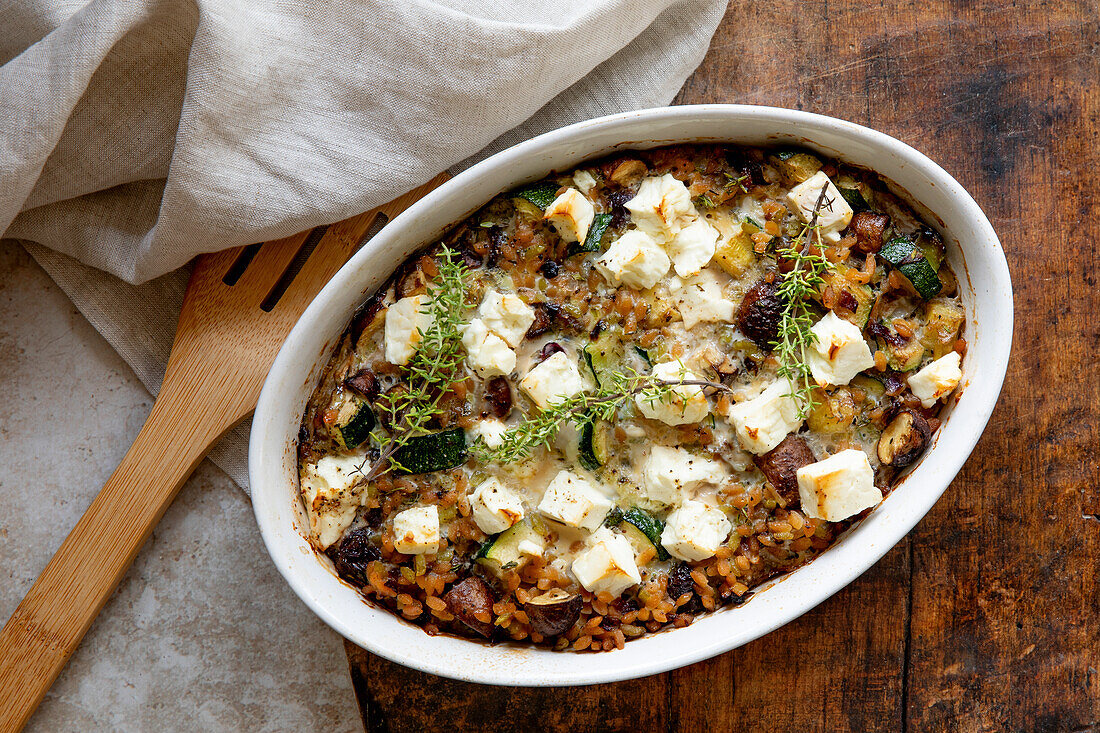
987, 616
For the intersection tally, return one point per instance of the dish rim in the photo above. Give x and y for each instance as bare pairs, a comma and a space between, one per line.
859, 549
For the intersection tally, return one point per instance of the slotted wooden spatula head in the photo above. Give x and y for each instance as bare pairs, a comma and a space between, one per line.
239, 308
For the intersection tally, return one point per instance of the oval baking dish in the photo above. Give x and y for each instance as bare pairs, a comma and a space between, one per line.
973, 253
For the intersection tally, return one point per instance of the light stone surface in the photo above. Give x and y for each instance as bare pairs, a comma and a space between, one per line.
203, 633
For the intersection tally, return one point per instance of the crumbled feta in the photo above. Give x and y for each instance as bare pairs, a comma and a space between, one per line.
693, 248
486, 353
833, 214
699, 298
332, 491
416, 531
695, 531
937, 380
669, 472
571, 214
406, 323
687, 403
584, 181
553, 380
506, 315
607, 564
533, 546
838, 487
634, 259
495, 507
762, 422
576, 501
840, 352
491, 432
662, 207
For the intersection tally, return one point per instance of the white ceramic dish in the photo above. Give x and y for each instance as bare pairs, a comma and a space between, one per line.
973, 252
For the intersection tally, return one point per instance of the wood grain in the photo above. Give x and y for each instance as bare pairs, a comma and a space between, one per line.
987, 617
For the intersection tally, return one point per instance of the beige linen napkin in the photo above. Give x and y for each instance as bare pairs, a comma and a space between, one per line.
136, 134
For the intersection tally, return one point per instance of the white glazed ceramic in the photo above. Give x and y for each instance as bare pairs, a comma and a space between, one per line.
973, 252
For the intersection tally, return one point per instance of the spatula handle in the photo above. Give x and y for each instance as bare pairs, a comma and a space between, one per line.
49, 623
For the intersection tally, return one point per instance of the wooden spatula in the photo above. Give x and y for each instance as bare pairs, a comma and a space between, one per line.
239, 307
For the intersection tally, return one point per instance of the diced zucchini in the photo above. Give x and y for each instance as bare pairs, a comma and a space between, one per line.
862, 294
502, 552
832, 412
904, 255
434, 452
541, 193
353, 423
644, 354
648, 526
750, 226
594, 448
642, 529
736, 254
872, 388
604, 355
855, 198
592, 239
797, 165
906, 357
943, 319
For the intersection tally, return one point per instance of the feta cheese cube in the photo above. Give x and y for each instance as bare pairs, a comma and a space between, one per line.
406, 323
699, 298
607, 565
838, 487
693, 248
490, 431
416, 531
553, 380
584, 181
486, 353
662, 207
667, 473
834, 213
762, 422
576, 501
332, 490
634, 259
840, 352
937, 380
695, 531
495, 507
688, 404
571, 214
506, 315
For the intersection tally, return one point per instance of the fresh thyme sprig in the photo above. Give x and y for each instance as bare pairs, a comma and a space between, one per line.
796, 321
616, 388
432, 369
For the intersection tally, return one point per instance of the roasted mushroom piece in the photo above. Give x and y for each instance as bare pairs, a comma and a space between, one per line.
761, 311
553, 612
904, 439
870, 230
780, 466
468, 598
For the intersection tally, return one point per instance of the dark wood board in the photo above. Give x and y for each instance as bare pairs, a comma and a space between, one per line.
987, 616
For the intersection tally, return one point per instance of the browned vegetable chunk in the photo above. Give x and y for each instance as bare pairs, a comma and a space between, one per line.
469, 598
499, 396
869, 230
780, 466
760, 313
544, 319
365, 383
553, 612
904, 439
